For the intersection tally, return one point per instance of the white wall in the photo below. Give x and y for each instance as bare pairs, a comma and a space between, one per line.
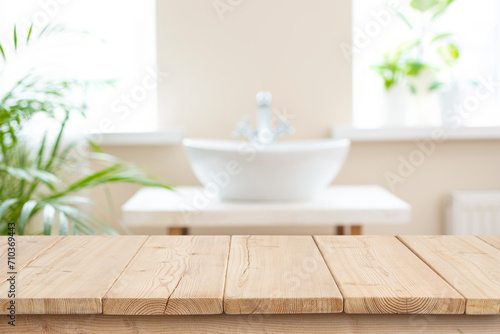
289, 47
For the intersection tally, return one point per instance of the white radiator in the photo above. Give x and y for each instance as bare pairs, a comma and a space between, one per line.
473, 213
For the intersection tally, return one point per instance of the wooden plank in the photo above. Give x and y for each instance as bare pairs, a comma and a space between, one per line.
469, 264
493, 240
378, 274
72, 276
28, 248
252, 324
278, 274
172, 275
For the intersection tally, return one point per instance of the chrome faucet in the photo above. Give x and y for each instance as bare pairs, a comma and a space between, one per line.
265, 133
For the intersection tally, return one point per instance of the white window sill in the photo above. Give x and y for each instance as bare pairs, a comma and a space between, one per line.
168, 136
414, 133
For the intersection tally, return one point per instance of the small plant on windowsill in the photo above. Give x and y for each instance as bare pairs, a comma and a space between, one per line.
422, 66
33, 175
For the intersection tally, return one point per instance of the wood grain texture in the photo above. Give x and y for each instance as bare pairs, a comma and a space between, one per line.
378, 274
172, 275
72, 276
256, 324
469, 264
493, 240
28, 248
277, 275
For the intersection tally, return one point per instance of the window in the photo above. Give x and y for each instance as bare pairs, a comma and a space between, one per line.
475, 29
120, 44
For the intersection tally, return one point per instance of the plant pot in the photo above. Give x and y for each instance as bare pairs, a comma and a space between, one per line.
396, 106
406, 108
449, 100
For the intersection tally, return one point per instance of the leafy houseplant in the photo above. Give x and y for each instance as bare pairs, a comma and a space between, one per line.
33, 180
410, 59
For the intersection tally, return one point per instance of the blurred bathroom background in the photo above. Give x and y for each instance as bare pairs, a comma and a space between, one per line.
191, 69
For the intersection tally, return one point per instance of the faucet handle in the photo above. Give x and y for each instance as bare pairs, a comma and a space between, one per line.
264, 99
243, 128
284, 127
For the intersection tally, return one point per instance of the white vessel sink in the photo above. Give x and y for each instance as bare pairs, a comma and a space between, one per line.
238, 170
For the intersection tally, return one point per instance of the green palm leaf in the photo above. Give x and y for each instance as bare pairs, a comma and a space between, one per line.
48, 219
15, 37
18, 173
3, 53
6, 205
26, 213
63, 224
49, 179
85, 219
29, 34
30, 177
40, 151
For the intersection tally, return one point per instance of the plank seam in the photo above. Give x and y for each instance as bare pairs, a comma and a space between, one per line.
119, 275
486, 242
171, 293
434, 270
36, 256
330, 270
225, 275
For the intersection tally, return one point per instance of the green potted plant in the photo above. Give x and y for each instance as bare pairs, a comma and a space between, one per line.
418, 70
34, 178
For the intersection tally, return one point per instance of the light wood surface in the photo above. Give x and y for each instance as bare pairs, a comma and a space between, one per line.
378, 274
28, 248
262, 275
278, 274
493, 240
72, 276
256, 324
172, 275
469, 264
338, 205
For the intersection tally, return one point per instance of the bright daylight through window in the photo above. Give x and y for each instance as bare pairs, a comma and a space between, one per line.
415, 64
115, 51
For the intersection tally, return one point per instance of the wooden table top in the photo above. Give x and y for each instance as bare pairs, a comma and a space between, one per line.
194, 206
181, 275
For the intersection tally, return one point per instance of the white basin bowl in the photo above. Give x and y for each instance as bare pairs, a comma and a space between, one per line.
294, 170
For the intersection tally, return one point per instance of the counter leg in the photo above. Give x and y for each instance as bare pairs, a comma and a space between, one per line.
356, 230
177, 231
